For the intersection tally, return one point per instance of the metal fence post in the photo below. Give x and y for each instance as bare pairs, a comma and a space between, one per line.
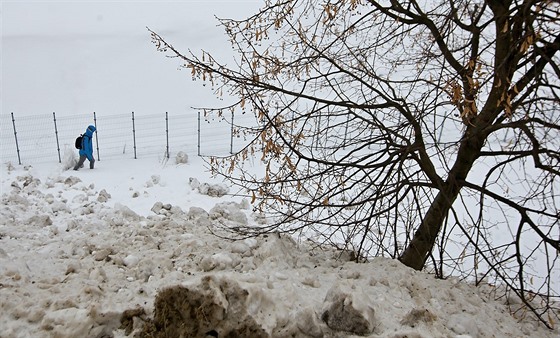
56, 136
96, 134
133, 136
198, 145
231, 132
15, 135
167, 133
317, 128
346, 130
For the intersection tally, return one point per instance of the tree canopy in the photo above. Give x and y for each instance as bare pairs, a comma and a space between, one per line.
427, 131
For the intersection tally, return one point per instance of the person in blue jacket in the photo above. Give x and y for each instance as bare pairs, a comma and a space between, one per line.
87, 149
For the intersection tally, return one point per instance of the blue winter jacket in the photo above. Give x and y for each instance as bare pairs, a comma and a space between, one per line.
87, 144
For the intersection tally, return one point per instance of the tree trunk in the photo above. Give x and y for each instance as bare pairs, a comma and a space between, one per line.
417, 252
424, 238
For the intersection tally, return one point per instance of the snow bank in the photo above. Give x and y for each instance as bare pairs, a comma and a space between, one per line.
76, 263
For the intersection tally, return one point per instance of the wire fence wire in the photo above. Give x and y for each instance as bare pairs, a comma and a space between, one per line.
47, 137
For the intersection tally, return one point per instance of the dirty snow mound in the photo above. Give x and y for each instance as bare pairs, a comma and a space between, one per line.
72, 265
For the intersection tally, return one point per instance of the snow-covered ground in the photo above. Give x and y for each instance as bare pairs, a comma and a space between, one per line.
86, 253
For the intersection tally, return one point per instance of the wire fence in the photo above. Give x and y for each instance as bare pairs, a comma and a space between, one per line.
46, 138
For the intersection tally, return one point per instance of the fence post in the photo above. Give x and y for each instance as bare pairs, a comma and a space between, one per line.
96, 134
56, 136
133, 136
15, 135
317, 128
346, 129
231, 132
198, 145
167, 133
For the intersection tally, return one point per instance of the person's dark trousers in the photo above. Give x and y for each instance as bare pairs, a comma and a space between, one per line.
81, 162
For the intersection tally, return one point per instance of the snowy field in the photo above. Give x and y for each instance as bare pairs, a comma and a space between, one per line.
134, 245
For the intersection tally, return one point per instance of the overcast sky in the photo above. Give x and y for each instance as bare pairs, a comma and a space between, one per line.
82, 56
41, 17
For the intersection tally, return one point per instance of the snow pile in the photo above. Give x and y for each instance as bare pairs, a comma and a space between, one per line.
214, 190
75, 262
181, 158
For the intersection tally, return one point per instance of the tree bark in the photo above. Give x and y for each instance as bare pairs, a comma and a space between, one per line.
416, 254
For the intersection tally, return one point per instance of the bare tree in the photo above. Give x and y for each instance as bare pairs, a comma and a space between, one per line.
424, 131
